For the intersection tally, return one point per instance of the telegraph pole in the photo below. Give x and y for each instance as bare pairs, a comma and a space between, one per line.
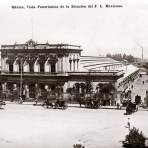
141, 49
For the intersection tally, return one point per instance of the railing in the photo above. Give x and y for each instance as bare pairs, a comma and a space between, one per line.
93, 73
34, 73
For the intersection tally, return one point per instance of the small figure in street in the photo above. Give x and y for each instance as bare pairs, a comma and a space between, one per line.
36, 98
47, 103
118, 106
36, 101
15, 93
20, 100
37, 94
132, 87
128, 123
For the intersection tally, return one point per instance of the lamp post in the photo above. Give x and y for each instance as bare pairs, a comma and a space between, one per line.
21, 70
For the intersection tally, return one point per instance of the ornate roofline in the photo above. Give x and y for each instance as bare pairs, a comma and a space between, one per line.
34, 45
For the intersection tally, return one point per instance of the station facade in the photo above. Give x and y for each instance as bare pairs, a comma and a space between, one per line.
31, 68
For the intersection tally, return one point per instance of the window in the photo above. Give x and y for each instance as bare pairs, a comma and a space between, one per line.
31, 67
41, 67
10, 67
53, 68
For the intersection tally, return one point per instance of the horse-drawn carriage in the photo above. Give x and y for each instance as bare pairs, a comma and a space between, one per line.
54, 101
89, 101
131, 108
56, 104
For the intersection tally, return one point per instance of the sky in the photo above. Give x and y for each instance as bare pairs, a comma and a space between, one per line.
97, 30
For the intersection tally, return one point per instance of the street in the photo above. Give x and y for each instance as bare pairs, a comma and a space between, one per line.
28, 126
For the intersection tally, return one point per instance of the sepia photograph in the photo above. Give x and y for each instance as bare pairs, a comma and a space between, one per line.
74, 74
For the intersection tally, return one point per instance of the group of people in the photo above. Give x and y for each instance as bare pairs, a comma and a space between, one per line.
50, 97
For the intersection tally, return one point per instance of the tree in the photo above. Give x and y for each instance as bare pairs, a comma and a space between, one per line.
108, 55
76, 87
104, 92
69, 90
88, 86
134, 139
121, 57
107, 88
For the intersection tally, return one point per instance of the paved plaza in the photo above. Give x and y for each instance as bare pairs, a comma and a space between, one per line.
28, 126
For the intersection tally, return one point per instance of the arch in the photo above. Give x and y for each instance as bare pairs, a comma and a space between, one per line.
47, 66
36, 66
26, 66
16, 66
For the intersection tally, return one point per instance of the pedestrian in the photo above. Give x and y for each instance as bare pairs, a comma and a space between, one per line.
128, 123
37, 95
20, 100
118, 106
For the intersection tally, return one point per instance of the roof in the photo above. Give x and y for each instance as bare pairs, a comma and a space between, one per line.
34, 45
93, 63
130, 69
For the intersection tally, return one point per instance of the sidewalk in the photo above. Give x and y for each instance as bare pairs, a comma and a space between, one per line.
75, 105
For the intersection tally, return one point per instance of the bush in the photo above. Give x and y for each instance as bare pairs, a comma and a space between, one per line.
134, 139
78, 146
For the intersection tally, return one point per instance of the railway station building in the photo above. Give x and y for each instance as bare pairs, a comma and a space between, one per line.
30, 68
